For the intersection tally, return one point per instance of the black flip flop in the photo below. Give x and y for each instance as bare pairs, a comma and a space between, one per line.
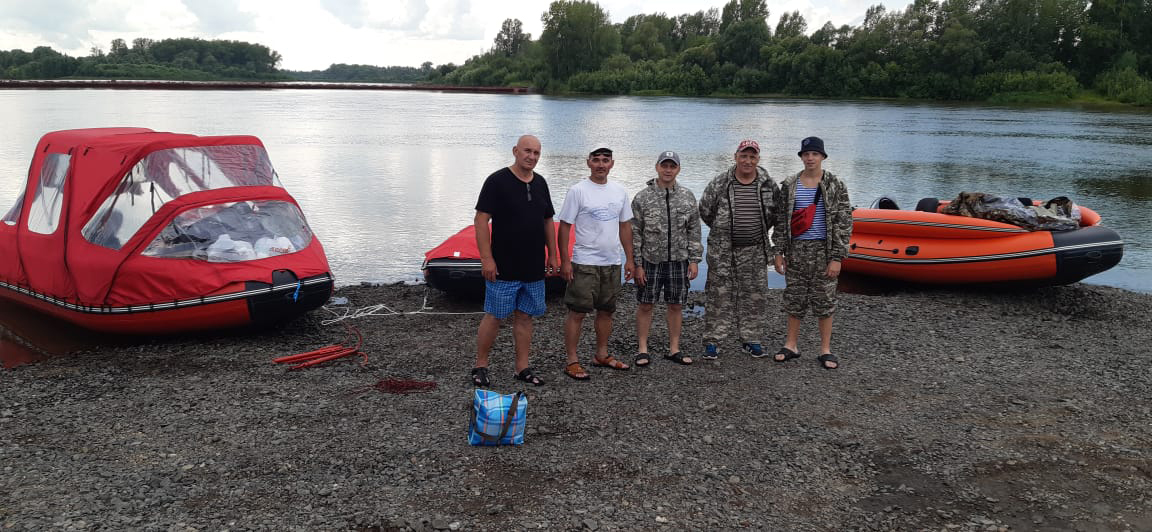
642, 360
824, 359
526, 375
678, 358
480, 377
788, 354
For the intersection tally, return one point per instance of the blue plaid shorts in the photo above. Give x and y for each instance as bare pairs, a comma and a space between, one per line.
503, 297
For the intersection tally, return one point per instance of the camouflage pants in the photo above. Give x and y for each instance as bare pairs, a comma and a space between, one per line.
736, 295
807, 286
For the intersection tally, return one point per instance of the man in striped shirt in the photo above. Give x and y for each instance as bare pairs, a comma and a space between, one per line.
739, 206
810, 249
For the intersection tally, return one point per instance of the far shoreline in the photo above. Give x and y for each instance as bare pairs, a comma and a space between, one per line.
1084, 101
243, 85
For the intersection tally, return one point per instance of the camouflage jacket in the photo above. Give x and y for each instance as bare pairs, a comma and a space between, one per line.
666, 224
716, 210
837, 212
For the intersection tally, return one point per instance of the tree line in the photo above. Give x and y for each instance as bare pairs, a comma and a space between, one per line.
998, 50
365, 73
167, 59
995, 50
189, 60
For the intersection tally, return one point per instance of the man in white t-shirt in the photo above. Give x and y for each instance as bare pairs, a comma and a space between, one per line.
602, 215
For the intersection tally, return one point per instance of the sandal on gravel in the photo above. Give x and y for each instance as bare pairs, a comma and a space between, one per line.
642, 359
576, 372
480, 377
609, 362
824, 360
785, 354
679, 358
526, 375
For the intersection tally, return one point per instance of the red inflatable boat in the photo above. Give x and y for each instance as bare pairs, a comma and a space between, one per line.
129, 230
454, 265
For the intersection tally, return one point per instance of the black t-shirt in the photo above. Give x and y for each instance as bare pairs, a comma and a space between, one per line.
518, 211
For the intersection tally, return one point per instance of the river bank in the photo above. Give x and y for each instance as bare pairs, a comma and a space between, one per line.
952, 411
242, 85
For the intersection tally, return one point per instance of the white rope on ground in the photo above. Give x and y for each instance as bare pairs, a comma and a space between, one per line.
375, 310
350, 313
424, 306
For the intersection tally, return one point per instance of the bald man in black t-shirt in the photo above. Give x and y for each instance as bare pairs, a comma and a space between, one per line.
518, 204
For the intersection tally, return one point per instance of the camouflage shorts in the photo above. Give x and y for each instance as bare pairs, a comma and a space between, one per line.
807, 285
593, 288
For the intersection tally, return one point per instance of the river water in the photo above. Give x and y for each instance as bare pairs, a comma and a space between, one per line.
383, 176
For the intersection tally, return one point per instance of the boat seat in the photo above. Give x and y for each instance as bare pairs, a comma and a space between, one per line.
928, 205
887, 203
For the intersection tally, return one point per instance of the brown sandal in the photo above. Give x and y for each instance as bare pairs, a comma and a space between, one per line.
609, 362
576, 372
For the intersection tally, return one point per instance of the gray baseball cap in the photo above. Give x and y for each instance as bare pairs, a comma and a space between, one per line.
668, 156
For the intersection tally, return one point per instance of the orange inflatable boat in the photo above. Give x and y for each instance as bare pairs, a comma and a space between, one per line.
925, 246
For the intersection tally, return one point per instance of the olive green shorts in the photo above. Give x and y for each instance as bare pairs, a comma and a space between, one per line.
593, 288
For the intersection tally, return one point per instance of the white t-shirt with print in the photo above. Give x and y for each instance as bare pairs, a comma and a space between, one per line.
597, 212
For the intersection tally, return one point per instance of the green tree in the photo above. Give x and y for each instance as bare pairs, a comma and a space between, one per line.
511, 38
740, 43
791, 25
647, 36
118, 48
829, 35
577, 36
736, 11
694, 29
743, 31
1111, 28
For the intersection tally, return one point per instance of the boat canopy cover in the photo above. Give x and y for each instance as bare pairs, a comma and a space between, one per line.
126, 216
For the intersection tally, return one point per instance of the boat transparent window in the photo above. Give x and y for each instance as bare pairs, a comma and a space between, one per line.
48, 201
233, 232
164, 175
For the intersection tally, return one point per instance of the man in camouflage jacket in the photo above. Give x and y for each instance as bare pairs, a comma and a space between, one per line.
811, 260
839, 219
739, 206
667, 247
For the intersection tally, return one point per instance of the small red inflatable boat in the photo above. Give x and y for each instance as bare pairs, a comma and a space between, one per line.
454, 265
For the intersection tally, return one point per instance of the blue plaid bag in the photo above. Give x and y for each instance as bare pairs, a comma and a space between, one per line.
498, 419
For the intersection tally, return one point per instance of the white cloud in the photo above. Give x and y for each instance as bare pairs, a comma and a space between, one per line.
454, 19
402, 15
221, 16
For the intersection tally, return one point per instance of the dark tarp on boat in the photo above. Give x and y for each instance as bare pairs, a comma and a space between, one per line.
1057, 214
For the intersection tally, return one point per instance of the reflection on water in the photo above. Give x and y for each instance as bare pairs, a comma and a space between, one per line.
1133, 187
383, 177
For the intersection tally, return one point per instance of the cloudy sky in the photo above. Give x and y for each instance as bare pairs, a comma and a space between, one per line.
312, 34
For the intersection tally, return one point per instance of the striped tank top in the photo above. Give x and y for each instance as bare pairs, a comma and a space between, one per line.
804, 197
747, 217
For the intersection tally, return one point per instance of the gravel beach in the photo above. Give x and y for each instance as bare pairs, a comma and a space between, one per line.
952, 410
